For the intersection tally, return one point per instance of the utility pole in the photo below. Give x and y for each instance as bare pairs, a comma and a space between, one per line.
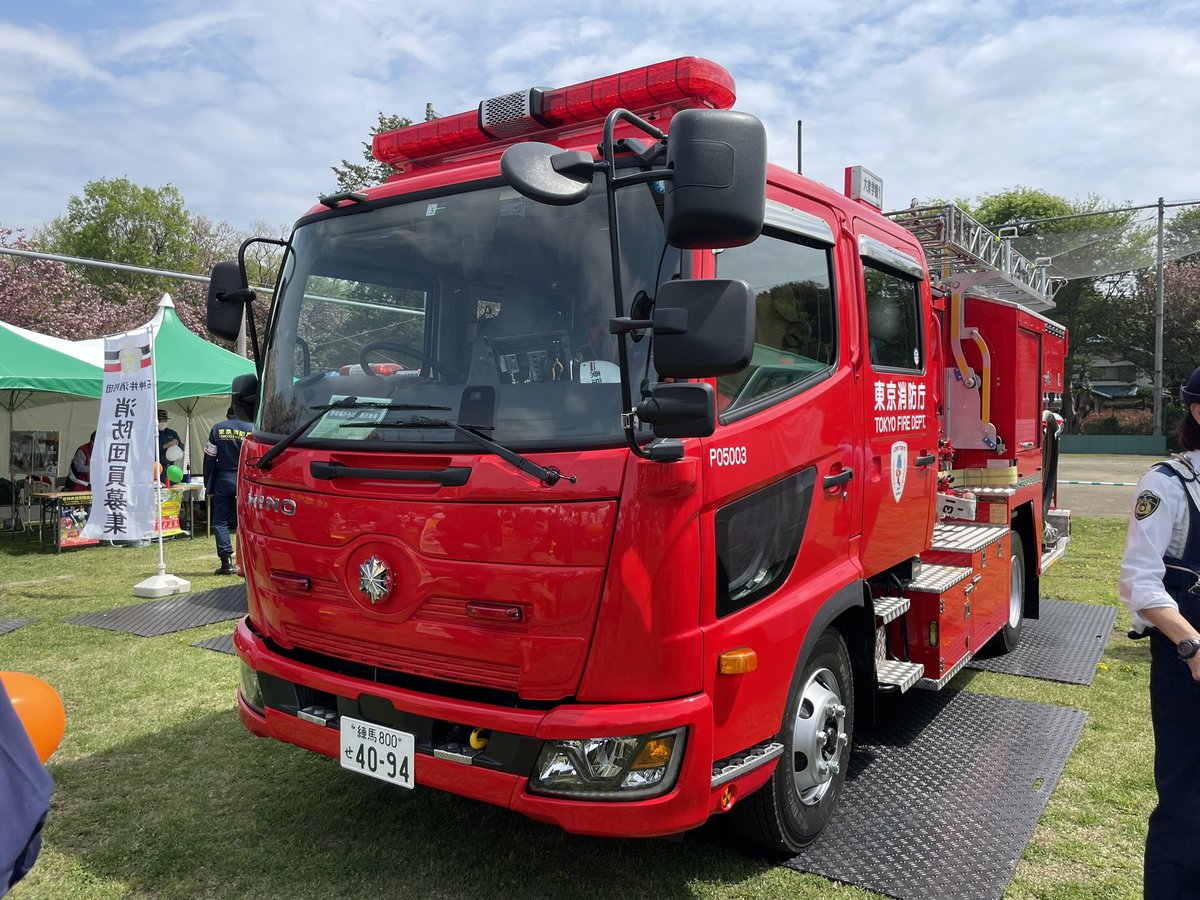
1158, 329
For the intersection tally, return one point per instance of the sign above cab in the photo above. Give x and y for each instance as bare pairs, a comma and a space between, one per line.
865, 186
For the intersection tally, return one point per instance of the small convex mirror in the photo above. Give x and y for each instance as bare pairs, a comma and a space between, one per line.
548, 174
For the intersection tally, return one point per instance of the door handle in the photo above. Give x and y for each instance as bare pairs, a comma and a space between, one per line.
832, 481
927, 460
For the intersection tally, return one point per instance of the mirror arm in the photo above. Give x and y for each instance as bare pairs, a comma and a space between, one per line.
612, 182
251, 328
643, 177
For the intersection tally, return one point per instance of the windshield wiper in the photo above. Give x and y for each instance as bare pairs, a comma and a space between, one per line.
268, 459
547, 475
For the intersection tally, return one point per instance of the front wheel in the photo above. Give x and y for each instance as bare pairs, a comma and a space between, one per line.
793, 808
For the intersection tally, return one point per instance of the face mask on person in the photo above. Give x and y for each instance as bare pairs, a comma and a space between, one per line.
162, 426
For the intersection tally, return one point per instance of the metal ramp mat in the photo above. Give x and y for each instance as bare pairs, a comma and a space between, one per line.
222, 643
9, 625
172, 614
1065, 644
942, 796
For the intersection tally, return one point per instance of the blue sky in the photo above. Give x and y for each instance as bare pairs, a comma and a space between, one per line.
245, 106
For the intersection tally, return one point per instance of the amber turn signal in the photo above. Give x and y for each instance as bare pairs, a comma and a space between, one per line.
738, 662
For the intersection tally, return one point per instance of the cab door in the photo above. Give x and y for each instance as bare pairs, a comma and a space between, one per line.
779, 479
899, 401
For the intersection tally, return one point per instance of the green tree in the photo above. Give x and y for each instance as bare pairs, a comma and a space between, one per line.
356, 176
119, 221
1182, 238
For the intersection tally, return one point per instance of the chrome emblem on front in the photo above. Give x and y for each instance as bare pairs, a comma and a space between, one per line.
374, 579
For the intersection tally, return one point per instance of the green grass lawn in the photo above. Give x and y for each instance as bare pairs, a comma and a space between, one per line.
160, 792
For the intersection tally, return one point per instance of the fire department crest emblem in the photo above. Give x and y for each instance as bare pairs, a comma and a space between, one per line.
899, 468
374, 579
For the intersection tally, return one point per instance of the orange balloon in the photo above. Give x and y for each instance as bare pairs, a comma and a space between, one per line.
158, 470
39, 708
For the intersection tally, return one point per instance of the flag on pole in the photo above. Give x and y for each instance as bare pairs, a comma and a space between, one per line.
126, 447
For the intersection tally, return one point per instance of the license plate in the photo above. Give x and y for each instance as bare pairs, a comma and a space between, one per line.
383, 753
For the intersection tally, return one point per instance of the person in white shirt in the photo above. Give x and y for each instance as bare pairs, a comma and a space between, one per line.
1160, 586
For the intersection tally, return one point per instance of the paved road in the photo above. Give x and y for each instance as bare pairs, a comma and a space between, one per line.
1088, 500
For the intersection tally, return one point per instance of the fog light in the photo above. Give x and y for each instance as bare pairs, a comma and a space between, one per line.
251, 691
610, 768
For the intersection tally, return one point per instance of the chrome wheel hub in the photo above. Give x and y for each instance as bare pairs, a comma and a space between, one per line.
818, 736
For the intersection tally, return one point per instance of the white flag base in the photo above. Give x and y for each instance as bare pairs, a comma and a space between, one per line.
161, 585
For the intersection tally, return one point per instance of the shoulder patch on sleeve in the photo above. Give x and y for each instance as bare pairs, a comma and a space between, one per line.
1147, 503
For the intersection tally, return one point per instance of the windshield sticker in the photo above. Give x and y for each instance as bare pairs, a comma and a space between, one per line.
331, 423
899, 406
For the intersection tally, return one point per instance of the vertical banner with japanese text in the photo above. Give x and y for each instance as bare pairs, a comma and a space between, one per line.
126, 447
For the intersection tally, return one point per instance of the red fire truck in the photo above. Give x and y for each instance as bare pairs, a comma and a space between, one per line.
604, 472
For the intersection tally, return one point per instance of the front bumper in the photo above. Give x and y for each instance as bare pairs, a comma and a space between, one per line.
500, 777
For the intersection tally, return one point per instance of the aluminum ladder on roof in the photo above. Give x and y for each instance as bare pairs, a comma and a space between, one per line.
956, 245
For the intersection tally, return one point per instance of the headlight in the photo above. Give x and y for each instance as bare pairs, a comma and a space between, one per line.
610, 768
250, 689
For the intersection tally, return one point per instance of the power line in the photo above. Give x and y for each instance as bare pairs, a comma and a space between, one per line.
119, 267
1100, 212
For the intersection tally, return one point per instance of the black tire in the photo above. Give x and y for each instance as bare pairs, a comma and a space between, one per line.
788, 812
1009, 636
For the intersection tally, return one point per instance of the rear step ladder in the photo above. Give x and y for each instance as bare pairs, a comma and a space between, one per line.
893, 674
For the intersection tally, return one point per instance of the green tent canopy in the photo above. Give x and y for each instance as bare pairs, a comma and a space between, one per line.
185, 365
28, 366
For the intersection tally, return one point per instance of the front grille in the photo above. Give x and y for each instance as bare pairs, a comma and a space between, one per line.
482, 673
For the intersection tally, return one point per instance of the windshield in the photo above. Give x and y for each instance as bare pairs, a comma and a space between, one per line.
482, 307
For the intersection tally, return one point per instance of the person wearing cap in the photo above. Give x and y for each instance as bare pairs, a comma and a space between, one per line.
1160, 586
221, 455
167, 438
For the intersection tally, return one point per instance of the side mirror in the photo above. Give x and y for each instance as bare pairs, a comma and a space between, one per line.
680, 410
717, 195
244, 393
719, 337
547, 174
224, 317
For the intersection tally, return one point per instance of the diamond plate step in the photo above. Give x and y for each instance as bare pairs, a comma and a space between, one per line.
731, 767
963, 537
898, 674
939, 579
889, 608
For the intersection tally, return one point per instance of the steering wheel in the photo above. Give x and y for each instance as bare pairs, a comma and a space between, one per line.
395, 347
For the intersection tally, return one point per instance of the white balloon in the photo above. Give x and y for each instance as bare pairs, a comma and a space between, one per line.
174, 454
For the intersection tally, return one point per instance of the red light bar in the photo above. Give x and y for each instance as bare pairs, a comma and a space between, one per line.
684, 83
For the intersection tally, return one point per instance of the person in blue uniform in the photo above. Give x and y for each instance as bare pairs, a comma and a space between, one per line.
220, 480
25, 788
1160, 586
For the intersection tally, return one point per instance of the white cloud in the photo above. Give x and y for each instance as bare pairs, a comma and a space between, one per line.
246, 106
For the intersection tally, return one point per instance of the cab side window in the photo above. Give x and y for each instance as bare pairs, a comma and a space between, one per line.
796, 329
893, 320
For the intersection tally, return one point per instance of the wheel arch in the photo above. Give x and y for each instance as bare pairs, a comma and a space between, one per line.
851, 612
1023, 524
